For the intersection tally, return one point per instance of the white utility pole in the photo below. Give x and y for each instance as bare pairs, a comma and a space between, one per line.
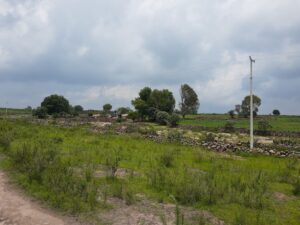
251, 103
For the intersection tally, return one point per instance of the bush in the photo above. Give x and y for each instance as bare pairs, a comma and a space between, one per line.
229, 127
174, 136
40, 112
162, 118
264, 127
173, 120
133, 115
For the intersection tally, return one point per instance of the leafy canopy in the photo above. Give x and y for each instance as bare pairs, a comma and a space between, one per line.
189, 100
56, 104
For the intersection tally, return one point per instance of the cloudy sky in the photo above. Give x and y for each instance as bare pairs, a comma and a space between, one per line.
99, 51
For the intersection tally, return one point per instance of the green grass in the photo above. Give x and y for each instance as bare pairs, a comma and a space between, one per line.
13, 111
56, 165
278, 123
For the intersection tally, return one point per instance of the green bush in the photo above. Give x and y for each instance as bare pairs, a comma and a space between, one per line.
162, 117
264, 127
173, 120
40, 112
133, 115
229, 127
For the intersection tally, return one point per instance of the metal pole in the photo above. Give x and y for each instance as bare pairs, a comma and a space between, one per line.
251, 103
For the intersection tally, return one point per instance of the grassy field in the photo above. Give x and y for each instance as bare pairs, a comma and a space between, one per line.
58, 165
14, 111
278, 123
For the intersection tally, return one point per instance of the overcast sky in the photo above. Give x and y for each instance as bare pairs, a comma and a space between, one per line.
99, 51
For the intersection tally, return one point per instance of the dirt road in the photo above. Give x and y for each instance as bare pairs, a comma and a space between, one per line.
17, 209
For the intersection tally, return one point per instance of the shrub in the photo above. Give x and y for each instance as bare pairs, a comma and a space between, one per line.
162, 118
173, 120
40, 112
133, 115
209, 137
264, 127
174, 136
229, 127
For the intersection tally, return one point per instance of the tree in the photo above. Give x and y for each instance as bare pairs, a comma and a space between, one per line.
173, 120
107, 107
78, 108
276, 112
246, 105
56, 104
141, 107
231, 113
162, 100
149, 102
123, 110
189, 100
145, 94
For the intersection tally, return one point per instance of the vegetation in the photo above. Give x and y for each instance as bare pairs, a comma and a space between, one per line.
276, 112
59, 165
189, 100
245, 107
107, 108
56, 104
279, 123
151, 101
40, 112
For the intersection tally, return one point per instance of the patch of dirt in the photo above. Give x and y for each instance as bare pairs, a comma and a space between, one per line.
145, 212
281, 197
120, 173
16, 209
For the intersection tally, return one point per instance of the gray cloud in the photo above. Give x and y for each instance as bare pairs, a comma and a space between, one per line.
105, 51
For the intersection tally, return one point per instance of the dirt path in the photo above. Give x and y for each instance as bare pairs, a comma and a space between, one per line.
17, 209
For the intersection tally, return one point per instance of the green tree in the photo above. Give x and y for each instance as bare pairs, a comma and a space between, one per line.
78, 108
149, 102
162, 100
107, 107
56, 104
246, 105
189, 100
141, 107
276, 112
123, 110
145, 94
